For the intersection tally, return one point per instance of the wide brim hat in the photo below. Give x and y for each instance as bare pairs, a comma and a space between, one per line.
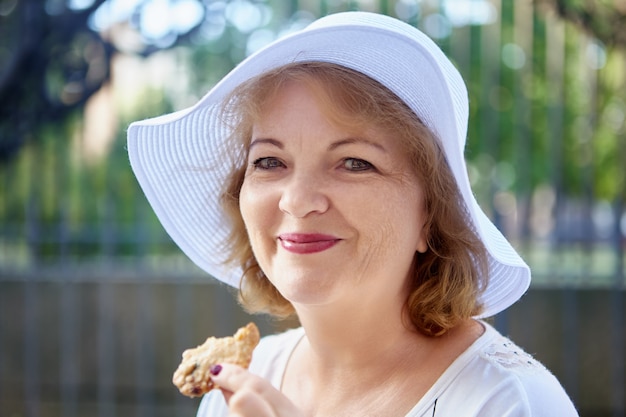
177, 158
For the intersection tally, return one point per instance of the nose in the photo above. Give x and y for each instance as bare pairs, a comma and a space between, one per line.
303, 195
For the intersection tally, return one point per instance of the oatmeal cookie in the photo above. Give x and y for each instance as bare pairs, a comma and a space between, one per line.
193, 376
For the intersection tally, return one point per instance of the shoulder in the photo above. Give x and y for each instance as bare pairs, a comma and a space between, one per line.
512, 382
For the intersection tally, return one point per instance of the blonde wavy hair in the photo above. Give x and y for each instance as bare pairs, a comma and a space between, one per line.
448, 278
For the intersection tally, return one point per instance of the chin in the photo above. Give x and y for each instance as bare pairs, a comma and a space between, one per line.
306, 293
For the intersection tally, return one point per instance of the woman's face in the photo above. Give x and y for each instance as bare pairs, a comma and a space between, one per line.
332, 215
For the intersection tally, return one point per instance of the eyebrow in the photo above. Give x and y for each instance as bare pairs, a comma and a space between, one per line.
357, 140
333, 146
269, 141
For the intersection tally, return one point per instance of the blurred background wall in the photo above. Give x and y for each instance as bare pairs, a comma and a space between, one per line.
97, 304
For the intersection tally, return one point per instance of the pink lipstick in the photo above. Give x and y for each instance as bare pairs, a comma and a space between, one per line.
305, 243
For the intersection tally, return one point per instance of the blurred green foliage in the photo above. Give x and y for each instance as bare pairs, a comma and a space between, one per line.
547, 102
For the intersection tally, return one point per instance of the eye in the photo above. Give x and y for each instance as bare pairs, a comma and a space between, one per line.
355, 164
267, 163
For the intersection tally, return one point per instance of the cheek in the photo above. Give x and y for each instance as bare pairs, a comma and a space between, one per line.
390, 234
251, 208
404, 218
248, 207
245, 204
257, 210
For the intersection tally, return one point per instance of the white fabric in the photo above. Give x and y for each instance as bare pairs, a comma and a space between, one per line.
179, 162
492, 378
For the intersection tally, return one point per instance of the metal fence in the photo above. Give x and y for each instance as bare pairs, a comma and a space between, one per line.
96, 303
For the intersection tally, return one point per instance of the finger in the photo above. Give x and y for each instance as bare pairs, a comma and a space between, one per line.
251, 395
227, 394
232, 378
246, 394
249, 403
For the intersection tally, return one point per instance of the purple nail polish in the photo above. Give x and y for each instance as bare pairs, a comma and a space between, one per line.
215, 369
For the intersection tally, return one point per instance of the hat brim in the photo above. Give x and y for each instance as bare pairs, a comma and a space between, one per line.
177, 157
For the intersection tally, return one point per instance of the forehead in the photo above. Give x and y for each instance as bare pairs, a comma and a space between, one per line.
294, 122
340, 105
314, 107
349, 100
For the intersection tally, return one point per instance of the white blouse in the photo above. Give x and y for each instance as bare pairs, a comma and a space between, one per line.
492, 378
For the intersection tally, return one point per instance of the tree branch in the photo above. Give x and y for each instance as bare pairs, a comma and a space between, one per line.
598, 19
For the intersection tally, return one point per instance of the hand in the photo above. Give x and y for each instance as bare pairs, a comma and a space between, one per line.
250, 395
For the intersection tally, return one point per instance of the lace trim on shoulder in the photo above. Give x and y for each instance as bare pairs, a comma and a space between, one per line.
506, 354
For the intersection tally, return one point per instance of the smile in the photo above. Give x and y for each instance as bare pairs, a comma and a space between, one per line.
301, 243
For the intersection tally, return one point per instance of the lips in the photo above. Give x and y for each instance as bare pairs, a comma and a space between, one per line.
306, 243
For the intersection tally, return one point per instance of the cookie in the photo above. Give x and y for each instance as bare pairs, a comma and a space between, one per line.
193, 376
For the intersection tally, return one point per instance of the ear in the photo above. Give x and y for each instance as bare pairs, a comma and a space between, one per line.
422, 242
422, 246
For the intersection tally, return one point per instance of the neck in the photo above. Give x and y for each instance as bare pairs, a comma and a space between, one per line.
347, 337
369, 361
361, 357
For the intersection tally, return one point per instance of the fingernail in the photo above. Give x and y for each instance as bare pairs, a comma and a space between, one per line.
215, 370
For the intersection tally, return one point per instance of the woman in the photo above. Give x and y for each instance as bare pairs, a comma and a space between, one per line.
325, 177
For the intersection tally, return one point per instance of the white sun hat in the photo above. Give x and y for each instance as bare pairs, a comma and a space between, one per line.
177, 157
